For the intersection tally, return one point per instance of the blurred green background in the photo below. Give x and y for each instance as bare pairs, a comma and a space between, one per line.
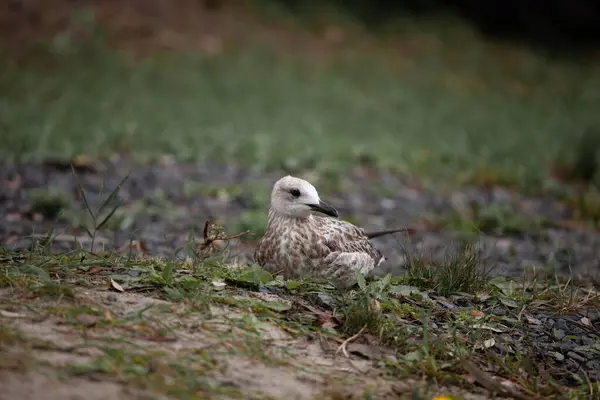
276, 85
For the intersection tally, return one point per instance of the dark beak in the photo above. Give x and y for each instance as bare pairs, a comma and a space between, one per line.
324, 208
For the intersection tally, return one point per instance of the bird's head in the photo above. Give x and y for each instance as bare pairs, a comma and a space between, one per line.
296, 198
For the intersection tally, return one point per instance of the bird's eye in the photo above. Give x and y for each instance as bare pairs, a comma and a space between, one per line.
295, 192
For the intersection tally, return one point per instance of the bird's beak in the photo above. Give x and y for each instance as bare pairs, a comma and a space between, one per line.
324, 208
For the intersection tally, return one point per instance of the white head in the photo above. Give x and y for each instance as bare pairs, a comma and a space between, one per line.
295, 197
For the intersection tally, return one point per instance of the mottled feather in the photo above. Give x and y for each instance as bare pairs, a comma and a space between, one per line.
298, 244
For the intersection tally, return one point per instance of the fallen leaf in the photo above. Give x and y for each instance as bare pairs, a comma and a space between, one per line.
219, 284
94, 270
325, 319
487, 327
135, 246
327, 324
446, 304
532, 320
9, 314
477, 314
485, 345
116, 286
508, 302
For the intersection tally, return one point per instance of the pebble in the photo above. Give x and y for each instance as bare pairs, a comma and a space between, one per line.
567, 345
559, 334
561, 324
575, 357
558, 356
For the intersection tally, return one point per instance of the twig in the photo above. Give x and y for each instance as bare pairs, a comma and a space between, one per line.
208, 240
342, 347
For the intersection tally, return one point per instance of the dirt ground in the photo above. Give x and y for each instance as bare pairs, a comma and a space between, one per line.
41, 363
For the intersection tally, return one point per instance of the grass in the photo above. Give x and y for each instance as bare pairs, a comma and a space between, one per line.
443, 103
425, 338
457, 272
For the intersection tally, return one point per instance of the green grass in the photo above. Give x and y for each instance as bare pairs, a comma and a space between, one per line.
426, 339
439, 107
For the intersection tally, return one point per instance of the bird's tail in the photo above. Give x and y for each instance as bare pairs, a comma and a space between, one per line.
372, 235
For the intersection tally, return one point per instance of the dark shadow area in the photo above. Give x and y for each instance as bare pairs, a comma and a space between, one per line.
551, 26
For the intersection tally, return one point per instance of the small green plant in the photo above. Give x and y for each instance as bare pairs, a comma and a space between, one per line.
49, 203
361, 313
106, 209
457, 272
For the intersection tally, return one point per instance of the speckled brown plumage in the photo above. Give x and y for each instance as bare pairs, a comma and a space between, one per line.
306, 245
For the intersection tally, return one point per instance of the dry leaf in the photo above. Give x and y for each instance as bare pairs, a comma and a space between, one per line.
116, 286
219, 284
532, 320
9, 314
485, 345
488, 327
477, 314
135, 246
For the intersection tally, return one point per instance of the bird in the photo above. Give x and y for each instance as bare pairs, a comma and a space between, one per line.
298, 243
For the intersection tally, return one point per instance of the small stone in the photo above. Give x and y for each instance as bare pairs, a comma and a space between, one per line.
549, 323
587, 341
592, 315
577, 330
557, 356
584, 352
575, 357
593, 365
567, 345
87, 319
111, 298
572, 365
559, 334
562, 325
388, 204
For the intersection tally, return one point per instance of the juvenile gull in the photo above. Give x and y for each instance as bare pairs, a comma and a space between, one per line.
299, 244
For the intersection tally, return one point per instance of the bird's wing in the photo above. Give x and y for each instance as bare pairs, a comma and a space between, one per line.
344, 237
